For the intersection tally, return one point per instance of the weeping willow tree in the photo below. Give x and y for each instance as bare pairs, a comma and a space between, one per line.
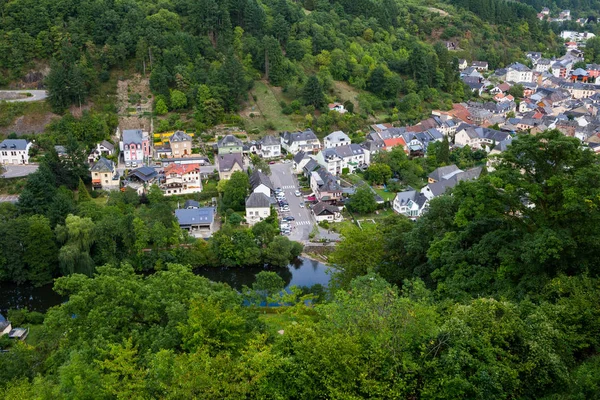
77, 238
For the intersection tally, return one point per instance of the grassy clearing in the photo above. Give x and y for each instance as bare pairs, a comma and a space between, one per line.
346, 92
266, 111
385, 195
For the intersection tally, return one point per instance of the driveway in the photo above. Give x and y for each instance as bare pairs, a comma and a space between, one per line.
36, 95
282, 176
18, 171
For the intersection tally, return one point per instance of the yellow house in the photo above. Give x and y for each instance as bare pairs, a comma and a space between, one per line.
104, 175
228, 164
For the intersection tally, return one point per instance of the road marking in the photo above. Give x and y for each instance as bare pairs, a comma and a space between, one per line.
302, 222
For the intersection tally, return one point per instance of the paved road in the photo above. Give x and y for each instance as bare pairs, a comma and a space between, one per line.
282, 176
9, 198
18, 171
36, 95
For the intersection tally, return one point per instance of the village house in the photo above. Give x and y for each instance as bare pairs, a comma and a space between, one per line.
325, 186
410, 203
299, 161
462, 64
181, 179
438, 188
199, 222
337, 159
181, 144
269, 147
335, 139
261, 183
478, 137
326, 212
102, 149
229, 144
258, 207
338, 107
228, 164
306, 141
140, 179
443, 173
14, 151
480, 65
104, 175
518, 72
135, 145
372, 147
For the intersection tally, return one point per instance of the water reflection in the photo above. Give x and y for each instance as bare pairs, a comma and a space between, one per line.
302, 272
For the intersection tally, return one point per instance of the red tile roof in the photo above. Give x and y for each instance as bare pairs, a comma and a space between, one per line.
389, 143
181, 169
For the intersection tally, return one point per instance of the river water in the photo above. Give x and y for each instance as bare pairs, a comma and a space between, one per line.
301, 272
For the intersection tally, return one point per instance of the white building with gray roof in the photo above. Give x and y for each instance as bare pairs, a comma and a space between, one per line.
14, 151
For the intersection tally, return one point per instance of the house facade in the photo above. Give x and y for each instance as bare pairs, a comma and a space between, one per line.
181, 144
261, 183
335, 139
104, 175
270, 147
228, 164
229, 144
326, 212
335, 160
478, 137
306, 141
181, 179
410, 203
135, 146
102, 149
14, 151
258, 207
325, 186
518, 72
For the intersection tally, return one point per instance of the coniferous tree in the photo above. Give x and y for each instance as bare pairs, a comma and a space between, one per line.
313, 92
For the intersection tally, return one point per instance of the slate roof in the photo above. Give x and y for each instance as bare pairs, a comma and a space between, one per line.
229, 141
518, 67
373, 145
133, 136
411, 195
144, 173
291, 137
14, 144
180, 136
269, 141
321, 207
330, 183
103, 165
444, 172
338, 137
227, 161
258, 200
190, 204
195, 216
299, 156
3, 323
257, 178
108, 145
348, 150
311, 165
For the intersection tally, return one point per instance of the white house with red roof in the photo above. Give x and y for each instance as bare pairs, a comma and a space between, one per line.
181, 179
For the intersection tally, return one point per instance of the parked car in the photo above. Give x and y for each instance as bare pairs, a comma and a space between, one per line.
311, 198
278, 190
271, 162
133, 164
290, 218
285, 208
127, 164
301, 205
297, 193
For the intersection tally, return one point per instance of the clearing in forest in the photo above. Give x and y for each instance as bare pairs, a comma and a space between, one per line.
265, 113
134, 103
345, 92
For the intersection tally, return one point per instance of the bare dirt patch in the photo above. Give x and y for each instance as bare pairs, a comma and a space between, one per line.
30, 123
134, 103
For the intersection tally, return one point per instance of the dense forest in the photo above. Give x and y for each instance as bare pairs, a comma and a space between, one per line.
203, 56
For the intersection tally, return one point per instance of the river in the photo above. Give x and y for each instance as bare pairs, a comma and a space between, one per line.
301, 272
